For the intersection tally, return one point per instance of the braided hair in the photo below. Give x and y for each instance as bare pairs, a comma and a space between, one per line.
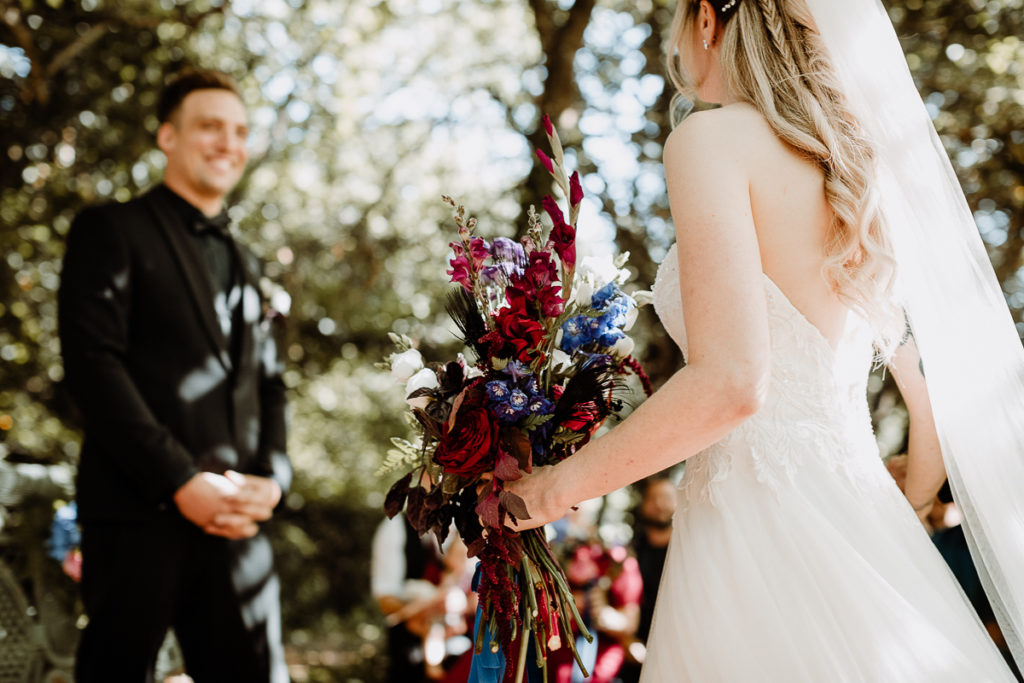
773, 58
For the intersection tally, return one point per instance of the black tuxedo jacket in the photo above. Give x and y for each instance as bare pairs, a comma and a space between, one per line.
161, 394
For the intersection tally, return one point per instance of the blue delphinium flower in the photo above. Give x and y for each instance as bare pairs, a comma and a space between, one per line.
540, 406
505, 412
576, 332
519, 401
497, 390
602, 296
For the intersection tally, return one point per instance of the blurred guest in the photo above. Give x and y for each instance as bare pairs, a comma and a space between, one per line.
607, 585
171, 361
650, 545
422, 592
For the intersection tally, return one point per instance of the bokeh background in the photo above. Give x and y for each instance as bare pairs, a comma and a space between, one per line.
363, 113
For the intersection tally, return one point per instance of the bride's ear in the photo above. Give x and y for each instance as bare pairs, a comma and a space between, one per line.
707, 24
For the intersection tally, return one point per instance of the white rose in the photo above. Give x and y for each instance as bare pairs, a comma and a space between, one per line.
424, 379
405, 364
560, 359
623, 347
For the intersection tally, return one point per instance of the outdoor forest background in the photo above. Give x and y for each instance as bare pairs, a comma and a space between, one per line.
364, 112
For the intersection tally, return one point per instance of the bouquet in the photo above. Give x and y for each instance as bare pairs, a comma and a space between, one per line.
549, 346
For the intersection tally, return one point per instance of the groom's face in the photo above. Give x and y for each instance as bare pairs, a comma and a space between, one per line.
204, 142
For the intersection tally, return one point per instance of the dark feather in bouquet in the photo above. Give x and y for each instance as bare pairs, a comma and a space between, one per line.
465, 313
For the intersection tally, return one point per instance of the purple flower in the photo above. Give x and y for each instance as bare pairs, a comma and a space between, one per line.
516, 370
504, 249
497, 274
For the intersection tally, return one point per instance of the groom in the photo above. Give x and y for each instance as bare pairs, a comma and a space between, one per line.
174, 369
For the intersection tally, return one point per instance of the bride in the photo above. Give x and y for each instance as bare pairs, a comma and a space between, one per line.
817, 224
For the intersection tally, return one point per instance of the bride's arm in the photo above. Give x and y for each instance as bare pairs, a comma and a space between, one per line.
925, 470
726, 376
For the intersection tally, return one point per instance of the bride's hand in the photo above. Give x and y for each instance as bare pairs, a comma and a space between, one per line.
540, 490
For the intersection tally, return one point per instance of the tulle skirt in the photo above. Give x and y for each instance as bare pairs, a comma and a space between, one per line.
813, 580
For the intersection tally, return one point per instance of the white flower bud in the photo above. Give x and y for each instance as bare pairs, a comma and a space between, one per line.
404, 365
560, 359
631, 316
623, 347
643, 297
584, 292
424, 379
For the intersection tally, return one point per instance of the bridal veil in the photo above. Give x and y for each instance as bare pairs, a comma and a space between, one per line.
971, 353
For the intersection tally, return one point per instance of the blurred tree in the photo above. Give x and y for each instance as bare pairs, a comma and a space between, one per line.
364, 112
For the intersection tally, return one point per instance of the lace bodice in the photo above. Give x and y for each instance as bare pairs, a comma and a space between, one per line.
816, 407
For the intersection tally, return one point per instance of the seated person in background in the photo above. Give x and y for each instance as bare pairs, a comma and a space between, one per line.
423, 594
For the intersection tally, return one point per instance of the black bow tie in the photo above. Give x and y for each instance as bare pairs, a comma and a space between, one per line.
218, 224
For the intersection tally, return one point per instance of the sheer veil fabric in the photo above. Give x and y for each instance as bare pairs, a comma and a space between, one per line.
972, 356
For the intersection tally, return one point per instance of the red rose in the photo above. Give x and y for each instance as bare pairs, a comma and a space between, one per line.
470, 441
523, 334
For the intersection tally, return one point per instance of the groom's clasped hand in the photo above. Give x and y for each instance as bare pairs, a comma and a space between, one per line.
228, 505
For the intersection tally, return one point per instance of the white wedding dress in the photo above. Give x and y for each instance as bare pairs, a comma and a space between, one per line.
794, 556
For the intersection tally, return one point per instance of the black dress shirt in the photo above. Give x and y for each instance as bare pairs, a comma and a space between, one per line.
213, 239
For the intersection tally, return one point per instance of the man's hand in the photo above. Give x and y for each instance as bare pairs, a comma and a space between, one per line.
254, 502
205, 496
257, 496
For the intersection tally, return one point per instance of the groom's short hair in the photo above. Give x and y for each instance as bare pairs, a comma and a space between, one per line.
184, 82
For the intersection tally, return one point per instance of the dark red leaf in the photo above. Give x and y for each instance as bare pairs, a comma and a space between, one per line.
507, 468
514, 504
488, 510
395, 500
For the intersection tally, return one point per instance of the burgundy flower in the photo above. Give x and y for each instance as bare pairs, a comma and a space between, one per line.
469, 443
479, 250
546, 160
551, 302
563, 235
548, 128
460, 272
516, 336
583, 416
575, 189
541, 271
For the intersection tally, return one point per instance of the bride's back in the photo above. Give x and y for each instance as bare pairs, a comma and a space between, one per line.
791, 217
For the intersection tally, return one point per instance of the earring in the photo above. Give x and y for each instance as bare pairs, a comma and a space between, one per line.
705, 44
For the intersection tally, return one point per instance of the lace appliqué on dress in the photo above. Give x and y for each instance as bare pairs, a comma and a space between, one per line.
813, 414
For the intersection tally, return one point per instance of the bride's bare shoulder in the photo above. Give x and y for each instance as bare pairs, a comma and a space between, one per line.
727, 131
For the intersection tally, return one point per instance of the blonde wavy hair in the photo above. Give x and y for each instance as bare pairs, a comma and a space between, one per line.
773, 58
